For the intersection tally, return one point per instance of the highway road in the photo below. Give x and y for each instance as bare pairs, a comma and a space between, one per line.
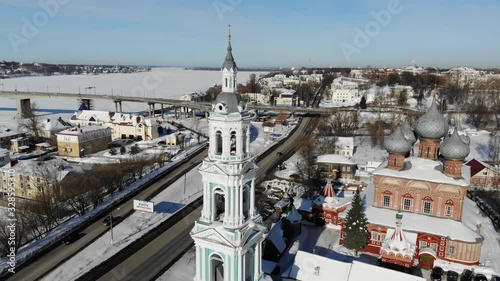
61, 253
156, 257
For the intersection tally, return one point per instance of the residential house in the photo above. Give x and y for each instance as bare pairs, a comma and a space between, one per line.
31, 177
287, 98
6, 135
19, 144
336, 167
83, 140
483, 175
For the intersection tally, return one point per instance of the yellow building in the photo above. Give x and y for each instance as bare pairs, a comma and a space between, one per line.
31, 177
80, 141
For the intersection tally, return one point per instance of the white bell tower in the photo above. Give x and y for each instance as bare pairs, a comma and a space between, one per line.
228, 235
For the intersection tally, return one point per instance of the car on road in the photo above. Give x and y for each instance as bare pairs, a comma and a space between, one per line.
108, 220
279, 153
70, 238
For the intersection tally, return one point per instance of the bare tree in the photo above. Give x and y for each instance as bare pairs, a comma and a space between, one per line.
478, 113
8, 241
340, 123
30, 122
494, 146
306, 166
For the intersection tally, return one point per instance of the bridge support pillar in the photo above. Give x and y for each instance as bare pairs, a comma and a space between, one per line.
23, 107
206, 115
162, 112
87, 103
151, 109
118, 106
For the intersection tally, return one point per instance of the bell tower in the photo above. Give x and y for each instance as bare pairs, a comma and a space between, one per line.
228, 235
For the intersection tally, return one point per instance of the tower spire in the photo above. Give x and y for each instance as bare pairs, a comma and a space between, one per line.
229, 35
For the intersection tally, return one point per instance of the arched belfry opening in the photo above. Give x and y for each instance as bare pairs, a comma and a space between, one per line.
219, 206
233, 143
246, 201
218, 143
244, 141
216, 268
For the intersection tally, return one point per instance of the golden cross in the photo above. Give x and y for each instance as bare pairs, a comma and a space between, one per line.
229, 36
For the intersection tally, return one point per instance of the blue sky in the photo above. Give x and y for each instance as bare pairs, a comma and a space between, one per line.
275, 33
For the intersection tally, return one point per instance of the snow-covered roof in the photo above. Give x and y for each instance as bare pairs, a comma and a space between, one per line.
56, 168
397, 243
423, 169
10, 133
82, 130
53, 125
111, 117
335, 159
310, 267
275, 235
413, 222
293, 216
303, 204
3, 152
361, 271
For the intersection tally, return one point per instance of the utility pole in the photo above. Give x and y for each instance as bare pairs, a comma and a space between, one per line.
111, 226
184, 196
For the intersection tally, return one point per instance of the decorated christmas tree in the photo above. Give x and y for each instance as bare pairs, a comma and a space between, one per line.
356, 232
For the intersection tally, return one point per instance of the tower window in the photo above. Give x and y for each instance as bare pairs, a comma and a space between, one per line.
233, 143
226, 82
218, 143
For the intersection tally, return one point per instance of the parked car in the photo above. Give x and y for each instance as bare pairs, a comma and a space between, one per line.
108, 220
466, 275
70, 238
452, 275
480, 277
437, 274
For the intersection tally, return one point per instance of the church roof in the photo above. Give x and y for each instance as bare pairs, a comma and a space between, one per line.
424, 170
229, 62
397, 242
231, 101
455, 147
397, 142
432, 125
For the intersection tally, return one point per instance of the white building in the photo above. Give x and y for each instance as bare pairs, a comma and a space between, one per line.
49, 127
463, 75
257, 98
346, 96
228, 236
124, 126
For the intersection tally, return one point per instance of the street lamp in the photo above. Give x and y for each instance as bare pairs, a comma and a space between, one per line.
111, 225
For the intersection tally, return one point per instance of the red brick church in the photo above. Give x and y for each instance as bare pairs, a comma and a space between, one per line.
428, 191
